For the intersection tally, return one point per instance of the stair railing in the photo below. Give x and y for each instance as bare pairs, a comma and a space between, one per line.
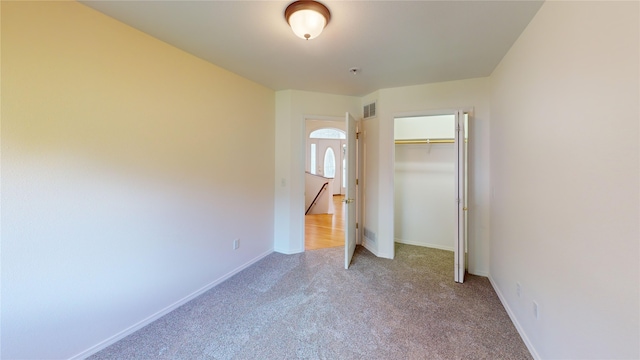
323, 188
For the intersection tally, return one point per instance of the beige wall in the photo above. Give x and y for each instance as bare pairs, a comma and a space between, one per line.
565, 180
128, 168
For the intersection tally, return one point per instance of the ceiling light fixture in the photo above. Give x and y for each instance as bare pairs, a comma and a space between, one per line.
307, 18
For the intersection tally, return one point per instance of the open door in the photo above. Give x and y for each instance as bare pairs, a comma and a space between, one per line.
460, 245
350, 196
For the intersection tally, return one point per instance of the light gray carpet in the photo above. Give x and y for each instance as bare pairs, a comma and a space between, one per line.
306, 306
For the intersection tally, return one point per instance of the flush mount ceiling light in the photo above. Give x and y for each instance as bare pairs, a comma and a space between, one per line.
307, 18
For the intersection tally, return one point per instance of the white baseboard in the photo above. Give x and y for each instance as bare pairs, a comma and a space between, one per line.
434, 246
514, 320
133, 328
479, 273
369, 245
288, 251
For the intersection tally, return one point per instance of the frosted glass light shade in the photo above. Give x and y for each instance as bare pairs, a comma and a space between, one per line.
307, 24
307, 18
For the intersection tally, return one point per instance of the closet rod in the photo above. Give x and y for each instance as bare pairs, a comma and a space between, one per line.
424, 141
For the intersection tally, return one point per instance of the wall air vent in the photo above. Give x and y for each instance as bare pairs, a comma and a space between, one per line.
369, 110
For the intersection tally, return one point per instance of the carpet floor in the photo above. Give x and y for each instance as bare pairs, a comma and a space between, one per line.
306, 306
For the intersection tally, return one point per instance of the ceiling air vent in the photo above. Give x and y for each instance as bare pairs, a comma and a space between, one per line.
370, 110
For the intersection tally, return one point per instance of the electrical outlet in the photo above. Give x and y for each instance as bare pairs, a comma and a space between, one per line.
236, 244
536, 311
518, 289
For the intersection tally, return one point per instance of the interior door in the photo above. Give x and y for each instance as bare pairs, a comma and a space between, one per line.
350, 196
461, 196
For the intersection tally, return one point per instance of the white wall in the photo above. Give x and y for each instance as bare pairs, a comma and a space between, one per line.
292, 108
425, 179
128, 168
565, 180
472, 94
421, 127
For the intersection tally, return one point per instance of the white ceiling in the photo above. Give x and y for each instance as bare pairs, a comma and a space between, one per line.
394, 43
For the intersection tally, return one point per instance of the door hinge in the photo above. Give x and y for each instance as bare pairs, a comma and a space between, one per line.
356, 225
356, 181
357, 135
457, 128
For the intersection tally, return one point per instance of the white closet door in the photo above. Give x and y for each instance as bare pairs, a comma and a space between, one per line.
350, 197
461, 168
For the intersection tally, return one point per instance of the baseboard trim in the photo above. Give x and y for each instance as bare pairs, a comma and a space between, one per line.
369, 245
288, 251
514, 320
479, 273
139, 325
434, 246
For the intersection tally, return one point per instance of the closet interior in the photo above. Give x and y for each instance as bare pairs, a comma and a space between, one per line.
425, 181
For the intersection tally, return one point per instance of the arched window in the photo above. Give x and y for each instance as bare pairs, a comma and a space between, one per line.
327, 134
329, 163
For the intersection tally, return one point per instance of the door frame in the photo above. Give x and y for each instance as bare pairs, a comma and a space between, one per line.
305, 137
351, 194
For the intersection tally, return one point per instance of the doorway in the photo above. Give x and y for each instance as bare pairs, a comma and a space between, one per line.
430, 180
325, 144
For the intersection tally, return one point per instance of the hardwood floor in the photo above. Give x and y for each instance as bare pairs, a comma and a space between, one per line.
325, 230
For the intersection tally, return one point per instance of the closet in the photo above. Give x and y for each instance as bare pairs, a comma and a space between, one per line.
425, 181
